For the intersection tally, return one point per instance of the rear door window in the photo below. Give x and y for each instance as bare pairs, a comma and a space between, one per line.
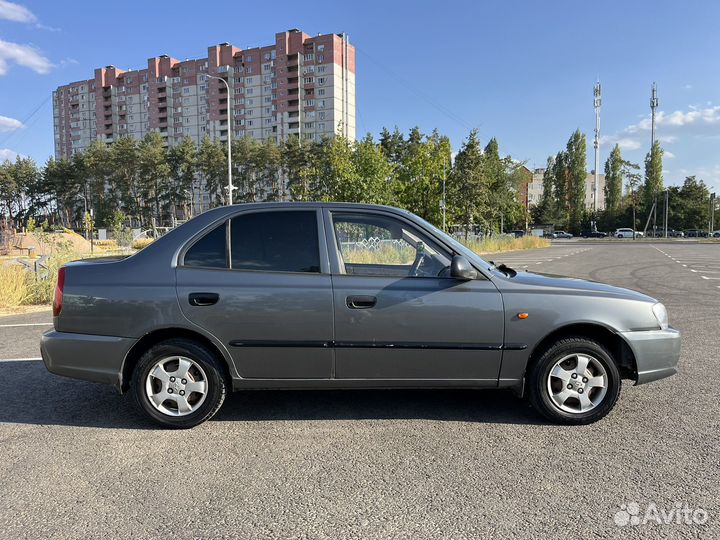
284, 241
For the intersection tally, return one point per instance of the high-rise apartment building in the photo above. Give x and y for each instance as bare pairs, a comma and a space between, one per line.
300, 85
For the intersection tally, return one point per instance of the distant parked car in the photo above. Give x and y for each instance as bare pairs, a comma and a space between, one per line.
695, 233
627, 233
562, 234
660, 233
593, 234
716, 234
518, 233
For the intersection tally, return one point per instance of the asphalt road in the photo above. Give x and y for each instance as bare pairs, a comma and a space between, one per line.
79, 462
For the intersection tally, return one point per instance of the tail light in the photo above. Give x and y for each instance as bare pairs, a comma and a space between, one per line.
57, 300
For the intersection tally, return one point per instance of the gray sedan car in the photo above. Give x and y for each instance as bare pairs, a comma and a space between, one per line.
314, 295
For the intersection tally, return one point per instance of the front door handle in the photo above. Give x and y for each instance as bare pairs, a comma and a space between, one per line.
203, 298
360, 302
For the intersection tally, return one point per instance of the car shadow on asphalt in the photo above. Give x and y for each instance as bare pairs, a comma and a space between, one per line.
31, 395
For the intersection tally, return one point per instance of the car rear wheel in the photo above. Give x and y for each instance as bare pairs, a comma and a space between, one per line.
179, 383
575, 381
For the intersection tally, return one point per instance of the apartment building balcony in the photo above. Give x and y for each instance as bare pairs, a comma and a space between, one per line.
293, 91
292, 81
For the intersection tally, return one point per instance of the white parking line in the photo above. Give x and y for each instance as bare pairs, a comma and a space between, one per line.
26, 324
19, 359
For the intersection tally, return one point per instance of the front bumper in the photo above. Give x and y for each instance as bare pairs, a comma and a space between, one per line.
656, 353
83, 356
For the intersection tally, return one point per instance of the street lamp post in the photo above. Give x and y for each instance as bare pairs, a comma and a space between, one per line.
229, 149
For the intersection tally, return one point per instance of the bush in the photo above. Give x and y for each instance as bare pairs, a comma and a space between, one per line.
41, 285
141, 243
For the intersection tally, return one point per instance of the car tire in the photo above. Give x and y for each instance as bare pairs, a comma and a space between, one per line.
177, 370
586, 402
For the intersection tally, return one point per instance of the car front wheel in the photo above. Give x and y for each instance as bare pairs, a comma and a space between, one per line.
179, 383
575, 381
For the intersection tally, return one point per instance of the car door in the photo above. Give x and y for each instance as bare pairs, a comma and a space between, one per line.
398, 315
259, 282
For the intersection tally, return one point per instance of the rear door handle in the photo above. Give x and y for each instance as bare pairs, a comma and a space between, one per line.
360, 302
203, 298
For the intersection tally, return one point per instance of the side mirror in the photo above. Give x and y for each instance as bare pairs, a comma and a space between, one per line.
460, 268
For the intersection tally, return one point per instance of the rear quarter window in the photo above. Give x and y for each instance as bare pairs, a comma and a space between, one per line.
210, 251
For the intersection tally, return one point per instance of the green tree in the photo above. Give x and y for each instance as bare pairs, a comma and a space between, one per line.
182, 162
613, 181
96, 168
374, 172
154, 173
125, 175
212, 166
560, 188
467, 189
689, 205
577, 161
653, 176
543, 212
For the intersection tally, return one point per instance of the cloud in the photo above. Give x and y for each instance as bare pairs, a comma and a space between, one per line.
667, 154
9, 124
698, 121
15, 12
23, 55
628, 144
41, 26
7, 154
688, 87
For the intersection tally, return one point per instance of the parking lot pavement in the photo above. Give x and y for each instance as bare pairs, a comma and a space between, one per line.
79, 462
532, 257
704, 261
20, 334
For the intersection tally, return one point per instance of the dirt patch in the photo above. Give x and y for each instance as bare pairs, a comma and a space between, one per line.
44, 246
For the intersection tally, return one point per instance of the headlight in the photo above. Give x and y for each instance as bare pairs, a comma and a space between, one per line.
661, 315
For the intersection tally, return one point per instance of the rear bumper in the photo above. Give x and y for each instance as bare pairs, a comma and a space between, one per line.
84, 356
656, 353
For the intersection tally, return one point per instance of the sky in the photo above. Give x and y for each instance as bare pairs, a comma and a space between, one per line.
521, 71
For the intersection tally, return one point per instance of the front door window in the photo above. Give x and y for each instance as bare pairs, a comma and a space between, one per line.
374, 245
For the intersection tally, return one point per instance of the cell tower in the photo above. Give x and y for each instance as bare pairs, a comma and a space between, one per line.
653, 105
597, 92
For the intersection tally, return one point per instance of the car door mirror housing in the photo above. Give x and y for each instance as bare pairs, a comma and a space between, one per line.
460, 268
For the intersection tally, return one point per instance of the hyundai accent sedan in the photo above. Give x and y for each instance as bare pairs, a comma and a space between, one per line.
314, 295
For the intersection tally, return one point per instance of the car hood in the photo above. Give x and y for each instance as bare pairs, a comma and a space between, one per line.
569, 284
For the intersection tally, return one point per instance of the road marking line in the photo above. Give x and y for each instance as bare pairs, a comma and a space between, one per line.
19, 359
25, 324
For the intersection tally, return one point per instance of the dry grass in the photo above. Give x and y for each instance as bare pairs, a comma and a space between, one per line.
507, 243
141, 243
14, 281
